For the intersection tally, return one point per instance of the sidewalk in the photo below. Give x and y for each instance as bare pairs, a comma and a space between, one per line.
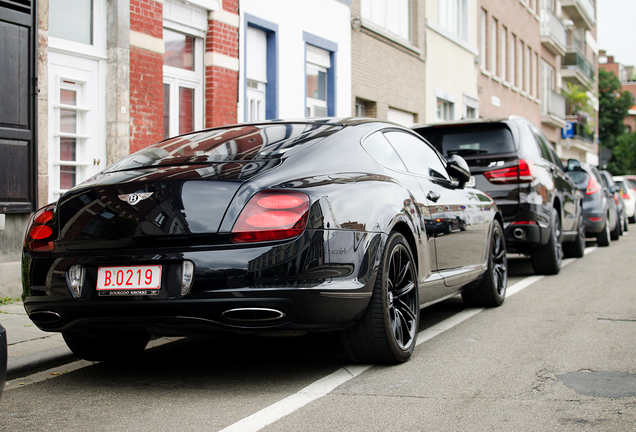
30, 348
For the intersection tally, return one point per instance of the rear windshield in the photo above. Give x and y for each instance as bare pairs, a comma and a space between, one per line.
236, 144
470, 140
580, 178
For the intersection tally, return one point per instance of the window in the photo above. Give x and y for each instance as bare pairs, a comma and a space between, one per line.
416, 154
390, 15
547, 85
527, 73
482, 38
361, 108
182, 83
520, 69
260, 80
453, 16
72, 20
504, 50
320, 76
513, 59
471, 107
493, 46
380, 149
535, 74
318, 64
445, 110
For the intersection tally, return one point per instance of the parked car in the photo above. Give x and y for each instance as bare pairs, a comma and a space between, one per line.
618, 200
3, 358
628, 193
283, 227
512, 161
599, 208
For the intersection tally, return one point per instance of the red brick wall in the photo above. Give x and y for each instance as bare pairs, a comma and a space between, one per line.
146, 77
221, 84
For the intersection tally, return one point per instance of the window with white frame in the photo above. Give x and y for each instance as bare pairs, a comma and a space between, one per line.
547, 85
256, 72
493, 46
445, 110
482, 38
317, 68
471, 107
183, 68
453, 16
520, 70
504, 51
513, 59
393, 16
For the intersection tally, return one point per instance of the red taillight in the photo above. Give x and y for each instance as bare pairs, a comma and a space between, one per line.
39, 235
524, 223
272, 215
592, 186
524, 172
625, 195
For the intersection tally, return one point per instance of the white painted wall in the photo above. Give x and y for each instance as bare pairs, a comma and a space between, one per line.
328, 19
451, 67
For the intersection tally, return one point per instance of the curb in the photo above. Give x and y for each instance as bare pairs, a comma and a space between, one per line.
45, 359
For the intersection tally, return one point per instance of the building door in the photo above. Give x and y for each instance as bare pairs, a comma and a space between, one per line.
75, 150
256, 74
18, 156
77, 92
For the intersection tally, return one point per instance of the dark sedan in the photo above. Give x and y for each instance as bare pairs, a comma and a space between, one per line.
283, 227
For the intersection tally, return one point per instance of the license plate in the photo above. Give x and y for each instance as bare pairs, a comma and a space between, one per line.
471, 182
129, 280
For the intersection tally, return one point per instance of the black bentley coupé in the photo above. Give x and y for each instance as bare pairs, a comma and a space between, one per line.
348, 225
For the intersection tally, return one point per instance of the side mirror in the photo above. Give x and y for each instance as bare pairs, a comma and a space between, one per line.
615, 188
573, 165
458, 168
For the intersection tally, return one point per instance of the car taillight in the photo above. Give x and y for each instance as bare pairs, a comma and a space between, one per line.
39, 234
625, 195
272, 215
616, 199
523, 172
592, 186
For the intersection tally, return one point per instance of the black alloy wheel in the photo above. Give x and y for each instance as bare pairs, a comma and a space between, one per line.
576, 249
491, 291
114, 347
547, 259
387, 331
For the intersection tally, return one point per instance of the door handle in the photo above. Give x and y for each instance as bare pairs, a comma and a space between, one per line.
433, 196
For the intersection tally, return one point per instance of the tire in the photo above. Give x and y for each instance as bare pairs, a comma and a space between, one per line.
632, 219
603, 238
387, 331
491, 292
617, 231
576, 249
625, 224
106, 348
547, 259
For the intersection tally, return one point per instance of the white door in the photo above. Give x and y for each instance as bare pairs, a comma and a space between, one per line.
76, 147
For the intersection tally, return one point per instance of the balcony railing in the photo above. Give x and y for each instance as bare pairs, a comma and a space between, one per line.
582, 12
553, 103
579, 130
553, 27
574, 60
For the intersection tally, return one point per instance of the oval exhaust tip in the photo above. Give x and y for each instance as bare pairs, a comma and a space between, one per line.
253, 314
45, 317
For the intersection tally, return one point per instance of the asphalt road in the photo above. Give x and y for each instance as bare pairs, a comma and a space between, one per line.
558, 355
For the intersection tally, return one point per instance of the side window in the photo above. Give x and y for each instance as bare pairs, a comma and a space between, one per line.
380, 149
545, 149
417, 155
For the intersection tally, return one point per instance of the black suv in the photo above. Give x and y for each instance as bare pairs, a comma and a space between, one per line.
512, 162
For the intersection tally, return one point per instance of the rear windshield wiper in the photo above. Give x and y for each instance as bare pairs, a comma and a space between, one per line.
464, 152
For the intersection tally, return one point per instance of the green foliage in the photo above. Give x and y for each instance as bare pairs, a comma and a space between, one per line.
614, 105
578, 105
7, 300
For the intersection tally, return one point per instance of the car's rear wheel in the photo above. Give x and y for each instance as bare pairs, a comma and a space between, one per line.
107, 348
547, 259
632, 219
576, 249
603, 238
491, 291
387, 331
617, 231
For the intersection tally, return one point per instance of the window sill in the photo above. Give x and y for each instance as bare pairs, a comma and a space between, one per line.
496, 78
485, 72
368, 25
451, 37
506, 84
515, 89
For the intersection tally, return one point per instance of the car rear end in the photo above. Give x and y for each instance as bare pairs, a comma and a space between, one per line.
629, 197
492, 151
587, 180
163, 241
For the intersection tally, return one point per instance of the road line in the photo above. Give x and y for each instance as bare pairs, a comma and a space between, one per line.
326, 385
